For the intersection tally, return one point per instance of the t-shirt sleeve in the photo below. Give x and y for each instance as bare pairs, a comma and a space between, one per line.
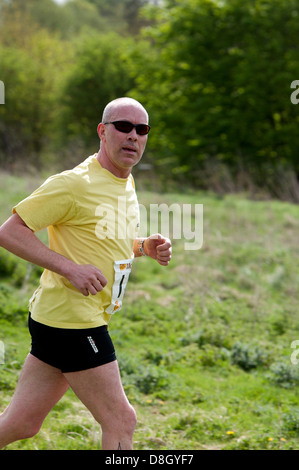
52, 203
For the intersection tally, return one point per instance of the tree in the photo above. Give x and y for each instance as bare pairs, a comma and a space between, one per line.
125, 14
31, 83
217, 81
99, 74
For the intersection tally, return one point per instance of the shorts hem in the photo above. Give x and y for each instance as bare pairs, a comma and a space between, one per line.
66, 370
46, 361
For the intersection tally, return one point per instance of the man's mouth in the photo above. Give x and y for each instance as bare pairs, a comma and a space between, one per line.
130, 149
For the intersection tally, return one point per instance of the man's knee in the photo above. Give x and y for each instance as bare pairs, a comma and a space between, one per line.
123, 421
30, 430
20, 429
26, 431
131, 418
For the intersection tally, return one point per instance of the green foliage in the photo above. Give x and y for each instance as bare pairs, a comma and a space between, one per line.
291, 422
65, 20
219, 87
152, 380
204, 348
12, 308
122, 16
247, 356
285, 375
98, 75
214, 76
27, 117
12, 268
7, 382
56, 87
19, 118
73, 16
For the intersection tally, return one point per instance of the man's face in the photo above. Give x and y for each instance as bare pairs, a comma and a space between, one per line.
123, 151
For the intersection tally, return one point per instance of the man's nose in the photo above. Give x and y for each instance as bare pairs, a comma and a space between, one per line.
133, 134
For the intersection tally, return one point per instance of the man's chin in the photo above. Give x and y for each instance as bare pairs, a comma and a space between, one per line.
130, 160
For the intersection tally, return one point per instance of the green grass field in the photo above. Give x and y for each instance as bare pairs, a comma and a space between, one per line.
204, 345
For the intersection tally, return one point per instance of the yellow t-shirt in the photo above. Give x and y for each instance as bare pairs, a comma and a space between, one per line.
92, 218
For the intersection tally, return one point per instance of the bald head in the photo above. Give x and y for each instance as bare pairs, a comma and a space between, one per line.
120, 150
112, 110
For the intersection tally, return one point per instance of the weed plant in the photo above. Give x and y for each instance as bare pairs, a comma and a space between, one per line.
204, 345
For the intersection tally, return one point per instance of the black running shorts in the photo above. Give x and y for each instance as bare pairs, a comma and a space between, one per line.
71, 350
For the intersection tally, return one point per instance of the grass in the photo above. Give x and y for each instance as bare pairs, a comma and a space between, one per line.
204, 345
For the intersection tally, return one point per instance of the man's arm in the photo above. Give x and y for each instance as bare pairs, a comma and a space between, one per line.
156, 246
19, 239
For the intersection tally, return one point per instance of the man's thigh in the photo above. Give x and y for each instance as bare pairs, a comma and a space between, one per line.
39, 388
100, 389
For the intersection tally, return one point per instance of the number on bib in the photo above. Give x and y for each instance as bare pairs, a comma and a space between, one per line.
122, 271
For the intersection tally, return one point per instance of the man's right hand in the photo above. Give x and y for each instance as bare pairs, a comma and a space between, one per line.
18, 238
87, 279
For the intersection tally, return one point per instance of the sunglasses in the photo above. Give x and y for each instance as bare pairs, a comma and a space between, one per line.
126, 127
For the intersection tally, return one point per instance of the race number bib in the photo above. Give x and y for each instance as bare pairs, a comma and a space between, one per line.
122, 271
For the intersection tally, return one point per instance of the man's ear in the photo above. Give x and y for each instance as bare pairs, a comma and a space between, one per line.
101, 130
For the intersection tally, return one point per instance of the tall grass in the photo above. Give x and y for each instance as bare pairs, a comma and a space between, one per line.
204, 345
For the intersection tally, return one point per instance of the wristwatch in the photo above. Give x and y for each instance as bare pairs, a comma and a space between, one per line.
140, 247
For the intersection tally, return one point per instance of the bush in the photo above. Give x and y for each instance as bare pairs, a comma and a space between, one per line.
248, 356
213, 334
8, 381
12, 267
290, 422
26, 119
11, 309
99, 74
285, 375
152, 380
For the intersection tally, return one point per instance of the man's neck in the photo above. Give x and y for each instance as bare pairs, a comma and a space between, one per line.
108, 165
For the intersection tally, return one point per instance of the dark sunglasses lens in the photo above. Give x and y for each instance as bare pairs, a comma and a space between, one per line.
123, 126
142, 129
126, 126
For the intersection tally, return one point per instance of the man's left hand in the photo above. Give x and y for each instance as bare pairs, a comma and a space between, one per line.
159, 248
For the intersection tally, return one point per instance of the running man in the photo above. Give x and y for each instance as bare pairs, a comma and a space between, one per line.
92, 217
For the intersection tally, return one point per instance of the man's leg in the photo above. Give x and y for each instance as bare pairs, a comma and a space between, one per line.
39, 388
101, 391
